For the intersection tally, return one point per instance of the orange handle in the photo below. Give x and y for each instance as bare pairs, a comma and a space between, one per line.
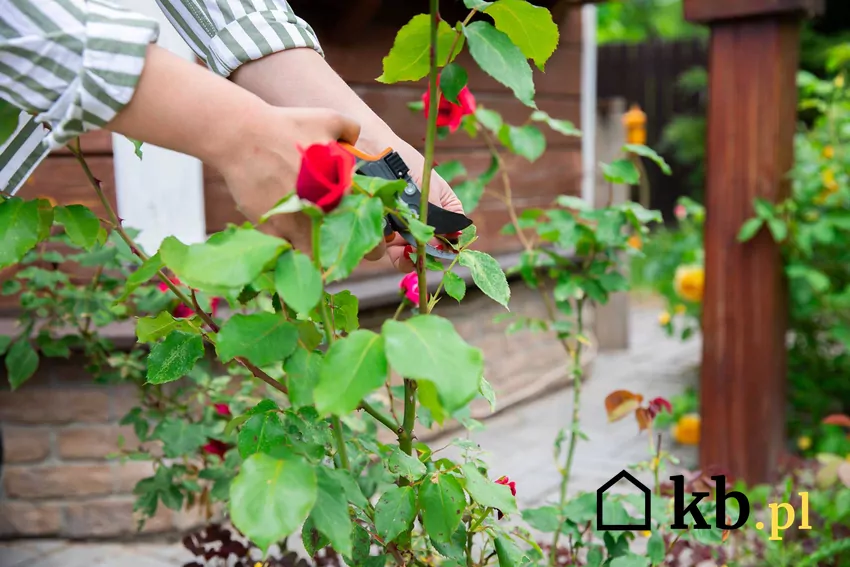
363, 155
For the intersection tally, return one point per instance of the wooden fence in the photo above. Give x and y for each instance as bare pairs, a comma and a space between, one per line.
648, 74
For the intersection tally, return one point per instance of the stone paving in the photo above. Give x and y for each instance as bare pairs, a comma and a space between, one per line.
518, 443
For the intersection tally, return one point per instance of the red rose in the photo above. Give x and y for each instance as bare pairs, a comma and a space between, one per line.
450, 114
215, 447
182, 310
510, 484
325, 175
223, 410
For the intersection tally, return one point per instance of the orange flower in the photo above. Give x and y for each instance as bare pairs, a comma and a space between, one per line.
689, 283
635, 242
664, 318
687, 429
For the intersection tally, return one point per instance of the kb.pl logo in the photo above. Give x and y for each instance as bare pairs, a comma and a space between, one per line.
682, 508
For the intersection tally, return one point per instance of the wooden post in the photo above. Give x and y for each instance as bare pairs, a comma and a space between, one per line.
752, 114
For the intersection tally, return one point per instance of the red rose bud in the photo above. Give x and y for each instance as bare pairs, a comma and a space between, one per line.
509, 483
223, 410
449, 114
215, 447
658, 404
325, 175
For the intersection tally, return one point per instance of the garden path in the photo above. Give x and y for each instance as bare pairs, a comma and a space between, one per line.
518, 443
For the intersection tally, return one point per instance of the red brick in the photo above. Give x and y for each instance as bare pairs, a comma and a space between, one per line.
52, 481
25, 445
108, 518
89, 405
28, 519
93, 442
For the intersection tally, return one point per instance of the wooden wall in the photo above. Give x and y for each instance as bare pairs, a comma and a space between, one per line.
357, 57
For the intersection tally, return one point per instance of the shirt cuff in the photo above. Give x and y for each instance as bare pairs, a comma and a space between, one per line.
256, 35
116, 43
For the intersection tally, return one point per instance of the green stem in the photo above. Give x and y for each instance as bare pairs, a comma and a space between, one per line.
574, 427
329, 338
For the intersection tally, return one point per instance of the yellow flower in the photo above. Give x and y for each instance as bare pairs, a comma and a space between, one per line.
829, 152
687, 430
690, 282
828, 178
663, 318
680, 309
635, 242
646, 533
804, 443
839, 81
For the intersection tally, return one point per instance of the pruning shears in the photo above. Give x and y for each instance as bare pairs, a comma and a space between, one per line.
390, 166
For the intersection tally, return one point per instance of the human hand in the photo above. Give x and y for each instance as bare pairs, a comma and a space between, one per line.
440, 194
264, 163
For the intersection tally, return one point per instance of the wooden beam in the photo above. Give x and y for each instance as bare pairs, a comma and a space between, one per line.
751, 121
702, 11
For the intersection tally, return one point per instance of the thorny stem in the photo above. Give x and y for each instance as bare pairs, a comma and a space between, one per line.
405, 434
96, 184
574, 429
336, 423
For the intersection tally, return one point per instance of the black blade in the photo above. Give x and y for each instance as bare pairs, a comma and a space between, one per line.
446, 222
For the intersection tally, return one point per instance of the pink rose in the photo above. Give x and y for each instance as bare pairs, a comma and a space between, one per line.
409, 285
223, 410
680, 211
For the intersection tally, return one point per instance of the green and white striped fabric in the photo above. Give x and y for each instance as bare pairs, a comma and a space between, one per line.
74, 64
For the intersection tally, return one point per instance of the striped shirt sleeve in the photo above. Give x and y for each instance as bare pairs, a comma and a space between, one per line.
228, 33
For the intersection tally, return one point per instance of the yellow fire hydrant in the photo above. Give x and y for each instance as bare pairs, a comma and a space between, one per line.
635, 122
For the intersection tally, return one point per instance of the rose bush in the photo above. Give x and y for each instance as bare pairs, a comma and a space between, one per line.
282, 426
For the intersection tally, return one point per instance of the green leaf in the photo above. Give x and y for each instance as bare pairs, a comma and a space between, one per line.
574, 203
508, 553
496, 54
353, 368
778, 229
452, 80
479, 5
230, 259
655, 549
427, 347
764, 210
5, 341
487, 275
750, 229
467, 236
430, 400
409, 59
141, 275
386, 189
442, 501
621, 171
527, 141
454, 285
545, 519
330, 513
298, 281
137, 147
469, 192
271, 498
529, 27
630, 560
486, 492
564, 127
174, 357
21, 362
400, 463
19, 229
349, 233
649, 153
262, 433
302, 375
395, 511
179, 437
262, 338
81, 225
288, 204
450, 170
151, 329
420, 231
345, 306
9, 115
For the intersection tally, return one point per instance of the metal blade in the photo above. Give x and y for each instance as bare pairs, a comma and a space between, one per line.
430, 250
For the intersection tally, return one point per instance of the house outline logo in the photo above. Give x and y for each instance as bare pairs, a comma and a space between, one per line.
647, 504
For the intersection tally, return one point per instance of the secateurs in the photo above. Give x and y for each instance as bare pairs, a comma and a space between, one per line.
389, 165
